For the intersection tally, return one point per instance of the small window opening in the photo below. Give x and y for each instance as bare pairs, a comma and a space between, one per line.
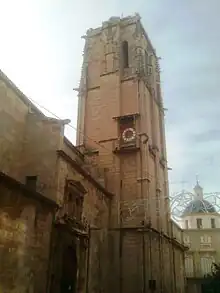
31, 182
127, 119
146, 58
187, 224
78, 209
150, 59
125, 54
152, 285
70, 197
213, 223
149, 70
199, 223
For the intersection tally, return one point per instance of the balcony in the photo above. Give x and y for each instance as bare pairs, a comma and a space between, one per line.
206, 247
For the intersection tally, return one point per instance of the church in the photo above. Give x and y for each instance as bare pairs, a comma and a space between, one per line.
94, 217
201, 225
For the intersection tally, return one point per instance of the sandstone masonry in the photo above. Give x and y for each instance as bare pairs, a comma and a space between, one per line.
51, 196
121, 108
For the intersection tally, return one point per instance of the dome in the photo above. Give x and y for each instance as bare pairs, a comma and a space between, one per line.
199, 206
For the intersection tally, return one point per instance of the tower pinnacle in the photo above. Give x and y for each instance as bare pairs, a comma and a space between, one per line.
198, 190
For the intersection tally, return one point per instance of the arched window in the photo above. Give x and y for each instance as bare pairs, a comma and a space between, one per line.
125, 54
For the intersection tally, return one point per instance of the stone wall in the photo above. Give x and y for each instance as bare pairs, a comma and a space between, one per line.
95, 211
43, 137
96, 203
115, 92
29, 144
137, 175
25, 226
13, 112
28, 139
126, 261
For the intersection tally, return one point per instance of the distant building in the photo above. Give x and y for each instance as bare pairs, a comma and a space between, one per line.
201, 225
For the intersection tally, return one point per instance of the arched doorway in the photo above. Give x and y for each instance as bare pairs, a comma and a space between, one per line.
69, 270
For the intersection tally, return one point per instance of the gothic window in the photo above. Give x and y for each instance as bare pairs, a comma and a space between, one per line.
150, 60
73, 200
149, 70
213, 225
74, 205
148, 63
158, 92
146, 60
78, 208
125, 54
70, 204
199, 223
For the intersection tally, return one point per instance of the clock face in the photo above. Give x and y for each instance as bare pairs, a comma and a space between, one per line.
128, 134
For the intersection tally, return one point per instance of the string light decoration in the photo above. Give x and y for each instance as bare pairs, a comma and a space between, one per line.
180, 201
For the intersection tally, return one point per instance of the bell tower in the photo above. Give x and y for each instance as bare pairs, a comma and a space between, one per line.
121, 118
120, 107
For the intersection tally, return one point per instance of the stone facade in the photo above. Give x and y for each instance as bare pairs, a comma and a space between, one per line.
203, 251
121, 122
51, 197
25, 227
201, 227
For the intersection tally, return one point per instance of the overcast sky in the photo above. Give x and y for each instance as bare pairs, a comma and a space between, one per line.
41, 52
